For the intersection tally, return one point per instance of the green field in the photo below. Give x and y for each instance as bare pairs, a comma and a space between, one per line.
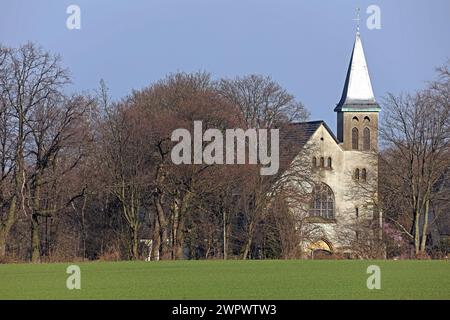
290, 279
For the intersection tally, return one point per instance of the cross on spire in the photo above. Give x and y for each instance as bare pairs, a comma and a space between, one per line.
357, 19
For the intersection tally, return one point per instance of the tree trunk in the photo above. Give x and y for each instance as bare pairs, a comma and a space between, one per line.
248, 242
6, 227
35, 239
425, 228
135, 243
180, 207
417, 232
225, 235
156, 240
180, 241
175, 223
83, 226
178, 230
162, 222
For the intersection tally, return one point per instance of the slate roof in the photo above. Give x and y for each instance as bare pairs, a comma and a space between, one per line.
294, 136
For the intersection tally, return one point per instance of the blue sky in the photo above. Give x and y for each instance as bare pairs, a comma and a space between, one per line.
304, 45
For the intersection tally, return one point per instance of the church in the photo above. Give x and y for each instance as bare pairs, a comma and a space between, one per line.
343, 166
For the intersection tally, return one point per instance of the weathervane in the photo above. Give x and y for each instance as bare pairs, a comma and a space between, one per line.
357, 19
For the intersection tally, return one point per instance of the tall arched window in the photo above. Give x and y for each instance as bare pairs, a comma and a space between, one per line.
322, 162
355, 139
329, 162
364, 175
314, 162
322, 204
356, 174
366, 139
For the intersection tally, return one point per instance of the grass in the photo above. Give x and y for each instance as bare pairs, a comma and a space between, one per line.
270, 279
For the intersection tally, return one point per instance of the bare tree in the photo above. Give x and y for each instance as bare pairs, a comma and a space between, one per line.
7, 195
56, 132
29, 77
416, 134
44, 127
263, 103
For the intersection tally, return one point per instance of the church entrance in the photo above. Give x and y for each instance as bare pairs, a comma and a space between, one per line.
321, 249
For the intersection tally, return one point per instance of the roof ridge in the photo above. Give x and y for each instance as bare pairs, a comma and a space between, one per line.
303, 122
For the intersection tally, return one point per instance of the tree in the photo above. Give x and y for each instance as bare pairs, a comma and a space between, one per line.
56, 131
29, 77
7, 195
43, 124
416, 136
262, 102
176, 102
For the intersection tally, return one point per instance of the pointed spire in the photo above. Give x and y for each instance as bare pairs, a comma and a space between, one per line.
357, 94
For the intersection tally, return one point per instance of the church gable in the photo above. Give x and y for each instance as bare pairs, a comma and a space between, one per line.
325, 138
304, 137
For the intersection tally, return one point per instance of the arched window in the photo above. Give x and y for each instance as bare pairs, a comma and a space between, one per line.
366, 119
366, 139
314, 162
322, 204
355, 119
355, 139
322, 162
356, 174
329, 162
364, 175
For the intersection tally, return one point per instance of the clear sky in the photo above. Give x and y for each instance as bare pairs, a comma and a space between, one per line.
304, 45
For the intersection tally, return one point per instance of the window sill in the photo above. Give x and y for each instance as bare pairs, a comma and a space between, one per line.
320, 220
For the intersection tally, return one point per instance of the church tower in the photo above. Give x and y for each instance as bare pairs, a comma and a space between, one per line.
357, 111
